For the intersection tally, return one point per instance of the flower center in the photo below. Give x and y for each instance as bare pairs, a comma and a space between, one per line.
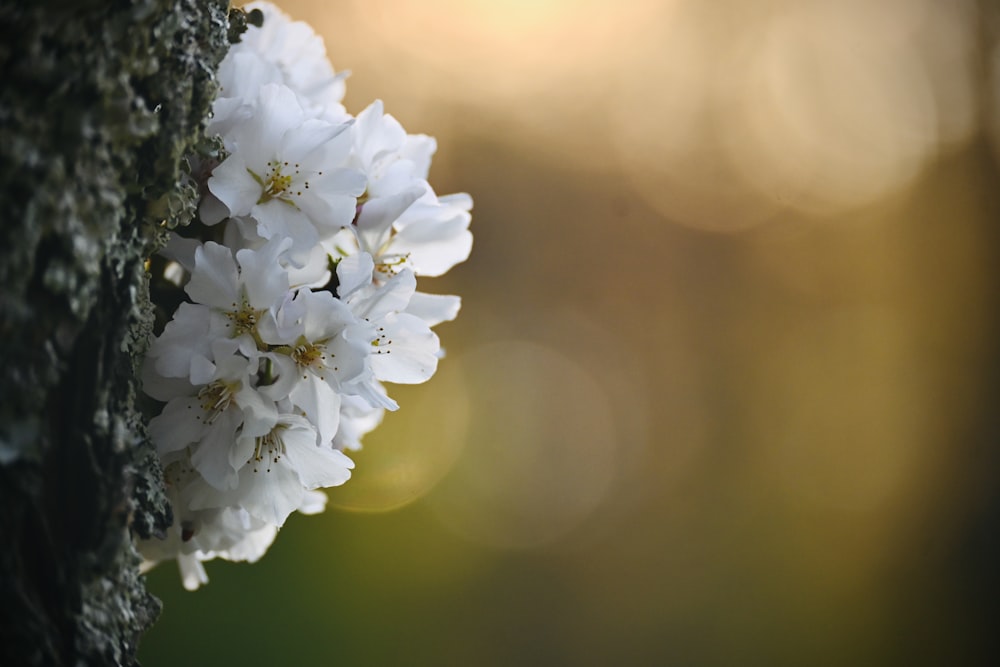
308, 354
276, 184
175, 474
268, 446
243, 318
215, 398
391, 264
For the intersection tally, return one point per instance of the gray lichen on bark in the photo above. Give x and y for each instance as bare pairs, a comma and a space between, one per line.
99, 105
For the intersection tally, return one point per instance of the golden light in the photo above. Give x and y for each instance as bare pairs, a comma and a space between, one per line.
837, 105
541, 449
819, 107
406, 456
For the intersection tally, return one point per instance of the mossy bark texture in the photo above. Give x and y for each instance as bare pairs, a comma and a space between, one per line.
100, 101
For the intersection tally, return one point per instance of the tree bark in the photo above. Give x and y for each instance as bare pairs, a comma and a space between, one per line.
100, 103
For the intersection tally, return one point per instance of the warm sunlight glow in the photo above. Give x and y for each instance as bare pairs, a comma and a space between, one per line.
541, 449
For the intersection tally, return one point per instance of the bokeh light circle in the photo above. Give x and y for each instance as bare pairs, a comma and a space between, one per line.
540, 454
412, 449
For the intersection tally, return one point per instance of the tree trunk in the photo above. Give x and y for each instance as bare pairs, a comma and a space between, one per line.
100, 103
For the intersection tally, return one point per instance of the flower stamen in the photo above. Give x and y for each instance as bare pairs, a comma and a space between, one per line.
309, 354
243, 318
215, 398
275, 184
270, 446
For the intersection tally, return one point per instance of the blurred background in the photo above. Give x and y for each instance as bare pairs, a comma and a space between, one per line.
723, 388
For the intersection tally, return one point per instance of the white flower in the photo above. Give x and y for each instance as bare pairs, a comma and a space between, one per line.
239, 291
231, 295
401, 222
434, 233
229, 533
281, 467
312, 357
299, 54
208, 418
412, 229
183, 350
357, 419
280, 51
403, 347
199, 535
304, 310
378, 145
285, 171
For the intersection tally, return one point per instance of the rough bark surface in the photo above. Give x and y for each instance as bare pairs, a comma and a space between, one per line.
100, 101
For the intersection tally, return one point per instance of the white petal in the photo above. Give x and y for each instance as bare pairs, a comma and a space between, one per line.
260, 138
327, 211
434, 308
235, 187
354, 272
213, 457
214, 281
347, 356
241, 453
393, 296
202, 370
270, 496
300, 143
184, 339
408, 354
320, 403
259, 412
419, 148
372, 392
212, 211
377, 215
357, 418
435, 235
434, 249
277, 219
227, 111
324, 315
264, 279
314, 273
286, 374
193, 572
163, 388
181, 250
459, 200
177, 426
313, 502
318, 465
253, 545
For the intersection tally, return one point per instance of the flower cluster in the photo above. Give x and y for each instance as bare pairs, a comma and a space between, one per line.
302, 306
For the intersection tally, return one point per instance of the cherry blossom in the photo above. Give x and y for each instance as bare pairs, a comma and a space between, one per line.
298, 298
